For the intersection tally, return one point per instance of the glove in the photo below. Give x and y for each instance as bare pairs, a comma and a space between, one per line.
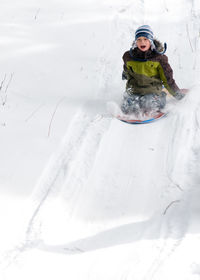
184, 90
181, 93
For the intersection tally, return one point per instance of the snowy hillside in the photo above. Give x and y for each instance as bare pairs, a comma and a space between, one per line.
85, 196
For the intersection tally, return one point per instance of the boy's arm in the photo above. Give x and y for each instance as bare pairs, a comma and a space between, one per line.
124, 72
166, 74
124, 75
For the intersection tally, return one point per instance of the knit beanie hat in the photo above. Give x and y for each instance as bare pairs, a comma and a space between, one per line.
144, 31
147, 32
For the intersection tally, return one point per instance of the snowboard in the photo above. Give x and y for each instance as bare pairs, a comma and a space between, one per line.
150, 119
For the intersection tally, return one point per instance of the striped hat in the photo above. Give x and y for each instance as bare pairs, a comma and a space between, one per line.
144, 31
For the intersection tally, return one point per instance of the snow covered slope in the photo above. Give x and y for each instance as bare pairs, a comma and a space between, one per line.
112, 201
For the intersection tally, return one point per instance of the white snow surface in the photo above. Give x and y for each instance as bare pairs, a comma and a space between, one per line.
84, 196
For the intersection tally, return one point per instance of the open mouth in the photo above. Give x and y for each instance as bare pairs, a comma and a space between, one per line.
143, 47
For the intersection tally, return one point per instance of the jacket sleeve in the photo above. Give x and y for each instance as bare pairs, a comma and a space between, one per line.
166, 75
124, 72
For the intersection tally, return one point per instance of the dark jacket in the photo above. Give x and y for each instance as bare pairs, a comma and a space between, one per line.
147, 72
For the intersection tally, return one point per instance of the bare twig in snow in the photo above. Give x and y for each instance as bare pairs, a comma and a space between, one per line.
11, 76
188, 35
166, 9
174, 184
33, 113
175, 201
3, 91
37, 13
49, 130
177, 185
1, 86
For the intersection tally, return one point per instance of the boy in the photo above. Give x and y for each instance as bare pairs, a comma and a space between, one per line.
147, 70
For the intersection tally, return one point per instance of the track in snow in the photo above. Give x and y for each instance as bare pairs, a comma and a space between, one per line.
113, 188
96, 190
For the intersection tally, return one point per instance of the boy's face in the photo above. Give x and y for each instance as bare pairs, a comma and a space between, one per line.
143, 44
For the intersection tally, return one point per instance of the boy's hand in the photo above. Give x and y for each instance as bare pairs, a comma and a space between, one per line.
181, 93
184, 90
